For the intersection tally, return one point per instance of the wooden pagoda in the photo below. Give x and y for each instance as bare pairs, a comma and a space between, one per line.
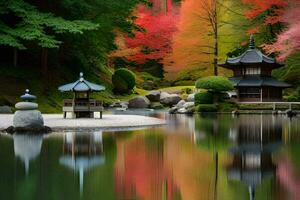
82, 105
253, 76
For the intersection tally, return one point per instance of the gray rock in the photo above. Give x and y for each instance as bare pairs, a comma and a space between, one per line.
164, 95
191, 98
153, 96
139, 102
180, 104
188, 110
173, 110
26, 106
28, 119
182, 110
169, 99
188, 104
5, 110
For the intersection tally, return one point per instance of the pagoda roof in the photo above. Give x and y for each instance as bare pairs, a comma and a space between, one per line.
81, 85
251, 56
257, 81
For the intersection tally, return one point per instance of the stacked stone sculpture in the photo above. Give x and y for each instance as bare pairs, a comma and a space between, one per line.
28, 118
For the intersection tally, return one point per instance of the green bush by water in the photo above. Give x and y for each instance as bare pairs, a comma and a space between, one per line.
207, 108
203, 98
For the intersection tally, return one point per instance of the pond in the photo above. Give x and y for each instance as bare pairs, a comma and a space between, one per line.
193, 157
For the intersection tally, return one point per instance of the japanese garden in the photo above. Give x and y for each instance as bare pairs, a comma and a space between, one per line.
150, 99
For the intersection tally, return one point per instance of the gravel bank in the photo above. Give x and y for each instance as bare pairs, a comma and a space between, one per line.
56, 122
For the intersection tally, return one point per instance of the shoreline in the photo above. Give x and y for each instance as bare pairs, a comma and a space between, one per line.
109, 122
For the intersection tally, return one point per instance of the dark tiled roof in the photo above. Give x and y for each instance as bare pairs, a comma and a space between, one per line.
81, 85
257, 81
251, 56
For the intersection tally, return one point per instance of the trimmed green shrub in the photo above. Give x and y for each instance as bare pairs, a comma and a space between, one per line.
203, 98
207, 108
123, 80
227, 106
215, 84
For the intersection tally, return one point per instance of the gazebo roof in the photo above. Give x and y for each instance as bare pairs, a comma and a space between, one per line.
81, 85
251, 56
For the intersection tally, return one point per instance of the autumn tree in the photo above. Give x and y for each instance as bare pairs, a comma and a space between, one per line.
288, 41
207, 30
154, 42
149, 46
266, 18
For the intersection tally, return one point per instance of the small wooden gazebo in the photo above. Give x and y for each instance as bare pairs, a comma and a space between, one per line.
81, 105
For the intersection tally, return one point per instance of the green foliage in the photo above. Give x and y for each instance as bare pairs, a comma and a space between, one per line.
291, 71
207, 108
214, 84
227, 106
203, 98
123, 80
34, 25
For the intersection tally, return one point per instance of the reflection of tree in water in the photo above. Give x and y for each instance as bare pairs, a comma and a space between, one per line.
140, 169
82, 152
212, 131
256, 139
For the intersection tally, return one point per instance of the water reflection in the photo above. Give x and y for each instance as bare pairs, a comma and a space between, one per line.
82, 152
192, 157
27, 148
252, 153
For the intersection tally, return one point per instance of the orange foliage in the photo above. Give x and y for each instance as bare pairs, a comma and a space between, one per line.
191, 42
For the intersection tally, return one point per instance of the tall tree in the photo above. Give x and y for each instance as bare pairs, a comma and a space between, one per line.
207, 30
29, 24
288, 41
154, 43
266, 18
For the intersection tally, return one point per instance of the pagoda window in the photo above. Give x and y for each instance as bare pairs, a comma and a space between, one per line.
253, 71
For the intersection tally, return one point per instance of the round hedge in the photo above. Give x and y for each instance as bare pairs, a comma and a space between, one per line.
123, 80
204, 98
214, 84
207, 108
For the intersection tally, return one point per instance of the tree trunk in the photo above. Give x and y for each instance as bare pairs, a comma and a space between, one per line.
44, 61
216, 47
44, 65
15, 57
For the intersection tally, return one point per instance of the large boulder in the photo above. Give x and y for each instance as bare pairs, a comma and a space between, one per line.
169, 99
28, 120
139, 102
5, 110
153, 96
191, 98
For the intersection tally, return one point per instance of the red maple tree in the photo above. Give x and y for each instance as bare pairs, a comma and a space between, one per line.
155, 42
272, 9
288, 41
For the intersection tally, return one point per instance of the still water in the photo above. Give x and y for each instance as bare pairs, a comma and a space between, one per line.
193, 157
